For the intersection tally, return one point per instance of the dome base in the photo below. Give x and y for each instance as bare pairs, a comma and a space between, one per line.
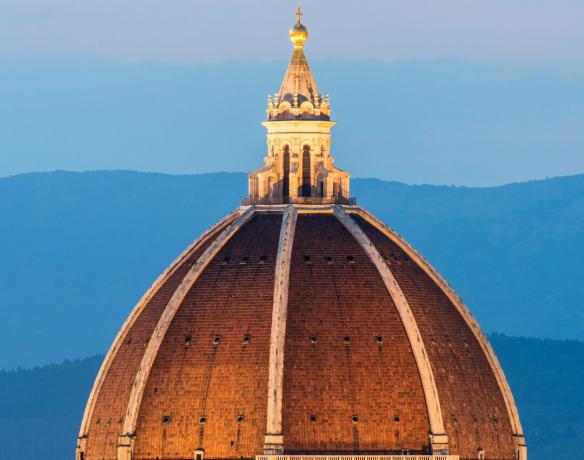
405, 456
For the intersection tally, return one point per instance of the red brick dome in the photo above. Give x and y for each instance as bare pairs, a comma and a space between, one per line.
294, 329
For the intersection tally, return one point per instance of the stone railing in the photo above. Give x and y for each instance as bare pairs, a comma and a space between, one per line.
310, 200
358, 457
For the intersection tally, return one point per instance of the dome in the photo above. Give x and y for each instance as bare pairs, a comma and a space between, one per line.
294, 329
300, 327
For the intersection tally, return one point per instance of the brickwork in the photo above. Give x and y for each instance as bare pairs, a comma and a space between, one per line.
351, 384
112, 401
474, 411
208, 386
346, 352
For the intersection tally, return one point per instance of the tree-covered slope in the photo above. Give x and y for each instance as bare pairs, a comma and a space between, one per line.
546, 377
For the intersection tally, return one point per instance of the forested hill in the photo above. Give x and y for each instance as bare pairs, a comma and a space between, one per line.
79, 249
41, 409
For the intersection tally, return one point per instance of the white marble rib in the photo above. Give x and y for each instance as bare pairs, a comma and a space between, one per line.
167, 317
274, 438
410, 325
469, 319
120, 337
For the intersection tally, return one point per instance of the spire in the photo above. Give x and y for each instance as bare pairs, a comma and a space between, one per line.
298, 166
298, 96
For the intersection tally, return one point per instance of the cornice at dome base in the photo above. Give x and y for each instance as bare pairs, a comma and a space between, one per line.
302, 200
358, 457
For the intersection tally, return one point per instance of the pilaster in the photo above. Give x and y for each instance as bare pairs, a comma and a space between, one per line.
520, 447
125, 447
81, 447
439, 444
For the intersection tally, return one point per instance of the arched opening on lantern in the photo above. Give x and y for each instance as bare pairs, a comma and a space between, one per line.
286, 171
319, 185
306, 186
336, 189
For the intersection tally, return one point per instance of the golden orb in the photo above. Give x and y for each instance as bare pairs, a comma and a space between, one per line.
298, 33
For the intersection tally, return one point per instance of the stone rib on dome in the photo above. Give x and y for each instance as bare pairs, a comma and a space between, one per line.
108, 401
350, 380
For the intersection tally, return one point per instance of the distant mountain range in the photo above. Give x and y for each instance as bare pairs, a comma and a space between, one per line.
40, 409
78, 249
441, 121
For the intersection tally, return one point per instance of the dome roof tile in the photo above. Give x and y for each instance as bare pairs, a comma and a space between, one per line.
351, 381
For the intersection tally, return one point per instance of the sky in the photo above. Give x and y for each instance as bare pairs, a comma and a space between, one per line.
465, 92
195, 30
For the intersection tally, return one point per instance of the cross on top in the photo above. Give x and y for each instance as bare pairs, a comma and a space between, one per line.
298, 15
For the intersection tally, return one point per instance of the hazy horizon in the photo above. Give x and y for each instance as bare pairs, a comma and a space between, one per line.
211, 173
437, 122
459, 92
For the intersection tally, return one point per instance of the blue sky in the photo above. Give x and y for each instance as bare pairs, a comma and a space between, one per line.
467, 92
